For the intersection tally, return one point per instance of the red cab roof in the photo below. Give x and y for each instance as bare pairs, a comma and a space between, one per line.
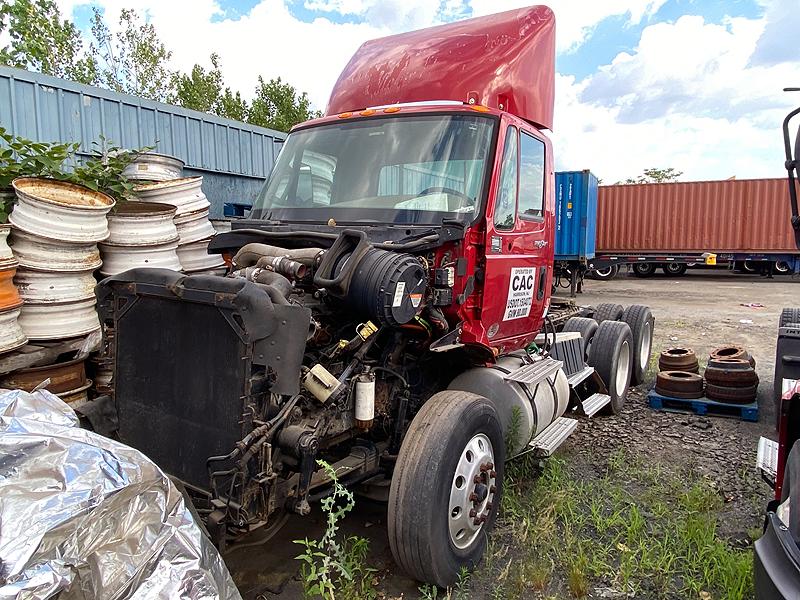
504, 61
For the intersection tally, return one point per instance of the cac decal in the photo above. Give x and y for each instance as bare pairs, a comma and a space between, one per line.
520, 293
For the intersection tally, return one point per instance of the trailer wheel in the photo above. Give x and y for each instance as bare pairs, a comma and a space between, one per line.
611, 355
782, 267
446, 488
672, 268
608, 312
586, 327
644, 269
641, 321
605, 274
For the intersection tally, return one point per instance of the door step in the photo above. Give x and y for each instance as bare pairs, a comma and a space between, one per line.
580, 376
594, 403
767, 458
553, 436
535, 372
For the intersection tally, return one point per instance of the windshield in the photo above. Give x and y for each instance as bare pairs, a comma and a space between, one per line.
403, 170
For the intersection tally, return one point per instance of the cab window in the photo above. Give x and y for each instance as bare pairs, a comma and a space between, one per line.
531, 176
506, 203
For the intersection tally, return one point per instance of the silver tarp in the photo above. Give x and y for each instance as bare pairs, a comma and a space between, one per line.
84, 517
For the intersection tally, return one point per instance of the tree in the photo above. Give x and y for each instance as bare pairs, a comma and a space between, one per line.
134, 60
40, 40
202, 90
654, 175
277, 105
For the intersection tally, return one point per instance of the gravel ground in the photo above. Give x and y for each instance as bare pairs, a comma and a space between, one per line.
701, 310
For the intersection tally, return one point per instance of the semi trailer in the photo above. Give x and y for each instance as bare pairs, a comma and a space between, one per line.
386, 308
742, 224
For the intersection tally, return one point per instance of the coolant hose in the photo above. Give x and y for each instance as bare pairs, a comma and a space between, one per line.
250, 254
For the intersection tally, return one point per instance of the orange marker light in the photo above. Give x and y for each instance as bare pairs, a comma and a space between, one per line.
367, 113
345, 115
479, 107
392, 109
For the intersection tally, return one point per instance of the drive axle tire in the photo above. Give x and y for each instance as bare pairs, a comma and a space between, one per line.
641, 321
678, 359
586, 327
679, 384
732, 395
644, 269
673, 268
611, 355
446, 488
608, 312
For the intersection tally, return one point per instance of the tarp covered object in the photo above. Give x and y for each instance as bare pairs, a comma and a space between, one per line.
85, 517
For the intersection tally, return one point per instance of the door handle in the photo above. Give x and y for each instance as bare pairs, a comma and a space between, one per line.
542, 281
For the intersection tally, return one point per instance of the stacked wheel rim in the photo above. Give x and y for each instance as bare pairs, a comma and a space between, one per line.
678, 358
730, 376
679, 384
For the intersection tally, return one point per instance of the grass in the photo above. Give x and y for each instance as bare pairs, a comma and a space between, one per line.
637, 530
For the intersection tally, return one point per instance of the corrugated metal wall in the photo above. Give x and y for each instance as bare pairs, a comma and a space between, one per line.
746, 215
234, 157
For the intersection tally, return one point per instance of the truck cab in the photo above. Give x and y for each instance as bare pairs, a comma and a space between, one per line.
386, 308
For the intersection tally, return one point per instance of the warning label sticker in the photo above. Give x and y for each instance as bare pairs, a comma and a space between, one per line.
520, 293
398, 294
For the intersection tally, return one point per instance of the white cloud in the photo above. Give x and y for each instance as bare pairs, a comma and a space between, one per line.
686, 97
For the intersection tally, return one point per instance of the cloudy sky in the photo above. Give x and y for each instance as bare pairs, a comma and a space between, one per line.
691, 84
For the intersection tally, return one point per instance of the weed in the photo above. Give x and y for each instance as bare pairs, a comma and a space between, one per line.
640, 530
333, 569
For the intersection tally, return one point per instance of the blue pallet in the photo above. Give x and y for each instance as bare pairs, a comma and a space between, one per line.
703, 406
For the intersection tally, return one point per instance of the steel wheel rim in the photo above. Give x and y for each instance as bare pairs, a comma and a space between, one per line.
604, 272
623, 368
647, 341
673, 267
471, 491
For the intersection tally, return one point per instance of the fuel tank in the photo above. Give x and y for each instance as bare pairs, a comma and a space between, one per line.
525, 410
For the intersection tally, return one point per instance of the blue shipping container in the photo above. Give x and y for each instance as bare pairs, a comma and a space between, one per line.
576, 215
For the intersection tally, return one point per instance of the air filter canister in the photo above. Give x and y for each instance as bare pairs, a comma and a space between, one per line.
388, 286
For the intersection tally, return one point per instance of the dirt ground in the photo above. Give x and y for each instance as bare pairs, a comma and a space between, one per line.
700, 310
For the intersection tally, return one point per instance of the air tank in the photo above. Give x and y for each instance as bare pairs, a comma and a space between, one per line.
525, 410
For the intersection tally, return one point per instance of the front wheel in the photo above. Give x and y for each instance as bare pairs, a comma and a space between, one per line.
644, 269
446, 487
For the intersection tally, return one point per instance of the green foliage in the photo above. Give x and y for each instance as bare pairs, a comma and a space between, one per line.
332, 569
654, 175
277, 105
40, 40
103, 171
20, 157
134, 60
203, 90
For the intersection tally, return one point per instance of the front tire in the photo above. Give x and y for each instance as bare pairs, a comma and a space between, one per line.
644, 269
446, 487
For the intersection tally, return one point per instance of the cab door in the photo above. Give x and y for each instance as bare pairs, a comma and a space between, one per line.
519, 244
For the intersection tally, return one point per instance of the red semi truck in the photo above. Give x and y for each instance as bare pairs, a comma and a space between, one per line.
387, 308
